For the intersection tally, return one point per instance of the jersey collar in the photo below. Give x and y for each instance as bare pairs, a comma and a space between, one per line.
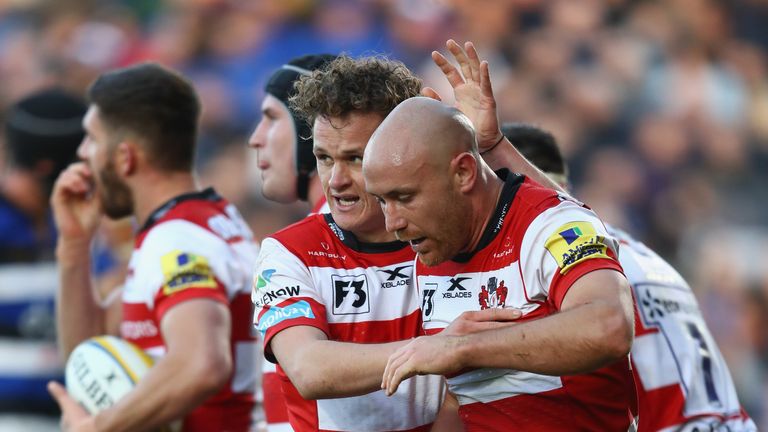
351, 241
207, 194
512, 182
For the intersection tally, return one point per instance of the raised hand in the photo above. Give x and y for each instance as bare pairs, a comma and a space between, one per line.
472, 91
76, 207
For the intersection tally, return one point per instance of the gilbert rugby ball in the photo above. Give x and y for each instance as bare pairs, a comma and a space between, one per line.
101, 370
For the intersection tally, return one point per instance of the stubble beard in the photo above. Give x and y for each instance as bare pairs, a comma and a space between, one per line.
116, 196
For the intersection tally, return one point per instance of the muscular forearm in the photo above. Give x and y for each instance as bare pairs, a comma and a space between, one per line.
78, 314
328, 369
171, 389
505, 155
578, 340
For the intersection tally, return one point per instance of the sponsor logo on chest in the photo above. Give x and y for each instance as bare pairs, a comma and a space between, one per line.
397, 276
443, 298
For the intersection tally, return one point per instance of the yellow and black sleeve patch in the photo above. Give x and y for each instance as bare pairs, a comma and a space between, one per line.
182, 270
575, 242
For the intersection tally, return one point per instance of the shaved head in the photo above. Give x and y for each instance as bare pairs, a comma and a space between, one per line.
423, 166
421, 131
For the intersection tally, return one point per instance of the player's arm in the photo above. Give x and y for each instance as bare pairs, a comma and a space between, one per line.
473, 93
295, 331
197, 364
593, 329
76, 212
448, 419
320, 368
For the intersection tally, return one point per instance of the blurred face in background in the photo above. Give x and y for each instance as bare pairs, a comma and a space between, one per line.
275, 141
98, 151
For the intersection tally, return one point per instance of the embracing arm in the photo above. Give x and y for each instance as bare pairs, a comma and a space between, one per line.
320, 368
593, 328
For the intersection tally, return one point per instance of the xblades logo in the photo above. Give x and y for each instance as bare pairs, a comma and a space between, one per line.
456, 285
396, 277
396, 273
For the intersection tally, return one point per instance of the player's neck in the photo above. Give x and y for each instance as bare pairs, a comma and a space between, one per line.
152, 191
484, 206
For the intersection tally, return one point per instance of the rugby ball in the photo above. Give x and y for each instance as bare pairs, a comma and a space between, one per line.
101, 370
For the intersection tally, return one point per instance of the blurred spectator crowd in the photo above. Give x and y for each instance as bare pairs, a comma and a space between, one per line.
661, 108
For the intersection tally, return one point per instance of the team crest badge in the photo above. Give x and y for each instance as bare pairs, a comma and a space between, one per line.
493, 294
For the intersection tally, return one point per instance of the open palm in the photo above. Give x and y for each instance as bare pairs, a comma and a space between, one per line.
472, 90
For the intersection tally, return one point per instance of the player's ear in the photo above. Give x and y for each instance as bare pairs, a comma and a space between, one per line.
125, 157
464, 170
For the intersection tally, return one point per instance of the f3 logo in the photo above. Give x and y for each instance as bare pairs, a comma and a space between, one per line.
427, 302
350, 295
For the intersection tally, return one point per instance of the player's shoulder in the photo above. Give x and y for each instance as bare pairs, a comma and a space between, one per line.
194, 213
305, 238
533, 196
534, 204
312, 227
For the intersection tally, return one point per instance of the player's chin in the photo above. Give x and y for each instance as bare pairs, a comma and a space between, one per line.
430, 258
350, 221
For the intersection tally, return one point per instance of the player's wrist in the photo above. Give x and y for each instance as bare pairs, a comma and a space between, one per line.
73, 249
462, 352
496, 141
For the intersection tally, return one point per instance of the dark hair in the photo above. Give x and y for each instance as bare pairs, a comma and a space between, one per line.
281, 86
45, 125
154, 104
537, 145
368, 84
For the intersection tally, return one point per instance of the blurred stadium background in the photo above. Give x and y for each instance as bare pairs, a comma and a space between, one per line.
661, 108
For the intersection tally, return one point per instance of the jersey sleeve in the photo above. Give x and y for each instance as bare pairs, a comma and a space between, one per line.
561, 245
284, 294
182, 261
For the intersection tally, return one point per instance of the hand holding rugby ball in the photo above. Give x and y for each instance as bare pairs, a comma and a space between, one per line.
101, 370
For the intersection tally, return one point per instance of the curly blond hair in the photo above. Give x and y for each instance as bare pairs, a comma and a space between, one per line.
368, 84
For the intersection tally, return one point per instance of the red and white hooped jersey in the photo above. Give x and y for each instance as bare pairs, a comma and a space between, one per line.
315, 274
196, 246
272, 398
681, 377
536, 245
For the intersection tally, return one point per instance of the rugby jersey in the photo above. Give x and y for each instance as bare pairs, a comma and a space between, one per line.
681, 377
536, 245
196, 246
272, 399
313, 273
